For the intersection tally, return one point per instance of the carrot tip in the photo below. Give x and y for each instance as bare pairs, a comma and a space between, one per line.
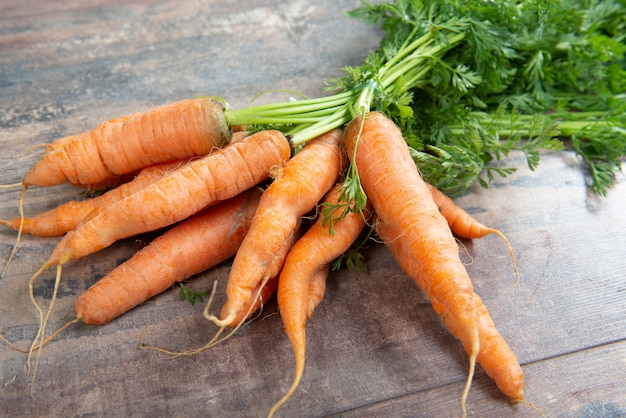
530, 404
227, 321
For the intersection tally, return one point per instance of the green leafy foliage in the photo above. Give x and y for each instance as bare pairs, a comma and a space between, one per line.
470, 81
193, 296
521, 71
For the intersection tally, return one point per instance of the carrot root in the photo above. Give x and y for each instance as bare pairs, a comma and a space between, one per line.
19, 233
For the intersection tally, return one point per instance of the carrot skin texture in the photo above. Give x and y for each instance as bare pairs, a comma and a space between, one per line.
403, 203
65, 217
302, 281
464, 225
270, 286
296, 190
401, 200
170, 132
253, 305
495, 356
204, 181
460, 222
191, 247
316, 249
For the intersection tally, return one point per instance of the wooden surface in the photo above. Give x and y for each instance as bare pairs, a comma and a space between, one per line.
375, 346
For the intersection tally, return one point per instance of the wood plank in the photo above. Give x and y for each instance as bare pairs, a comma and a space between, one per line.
375, 345
571, 395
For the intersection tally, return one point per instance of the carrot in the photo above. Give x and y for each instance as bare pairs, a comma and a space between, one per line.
295, 191
108, 183
257, 303
185, 191
261, 294
463, 224
402, 201
191, 247
495, 356
266, 289
302, 281
199, 184
170, 132
65, 217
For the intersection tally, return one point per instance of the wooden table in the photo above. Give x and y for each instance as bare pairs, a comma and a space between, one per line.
375, 346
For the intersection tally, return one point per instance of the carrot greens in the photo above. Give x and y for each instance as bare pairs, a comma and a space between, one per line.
193, 296
470, 81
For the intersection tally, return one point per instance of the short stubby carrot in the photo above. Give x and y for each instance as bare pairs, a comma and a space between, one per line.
402, 201
183, 192
190, 247
463, 224
302, 281
296, 189
175, 131
65, 217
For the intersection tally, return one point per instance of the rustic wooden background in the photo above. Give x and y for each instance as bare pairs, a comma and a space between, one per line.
375, 346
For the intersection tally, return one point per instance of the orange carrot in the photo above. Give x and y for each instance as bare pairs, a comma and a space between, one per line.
402, 201
185, 191
170, 132
302, 182
65, 217
463, 224
302, 281
256, 304
199, 184
265, 290
191, 247
108, 183
260, 295
495, 356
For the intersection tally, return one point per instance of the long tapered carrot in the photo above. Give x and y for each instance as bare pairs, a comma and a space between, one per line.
495, 356
65, 217
464, 225
175, 131
190, 247
302, 281
401, 199
295, 191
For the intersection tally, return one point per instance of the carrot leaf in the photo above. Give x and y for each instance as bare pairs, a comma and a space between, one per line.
470, 81
193, 296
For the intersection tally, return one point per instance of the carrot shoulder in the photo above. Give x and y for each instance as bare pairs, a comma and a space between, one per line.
402, 201
302, 182
170, 132
65, 217
302, 281
191, 247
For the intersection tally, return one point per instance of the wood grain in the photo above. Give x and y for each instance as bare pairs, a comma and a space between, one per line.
375, 346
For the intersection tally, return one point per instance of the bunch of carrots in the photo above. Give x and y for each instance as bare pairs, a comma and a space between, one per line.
219, 210
246, 184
